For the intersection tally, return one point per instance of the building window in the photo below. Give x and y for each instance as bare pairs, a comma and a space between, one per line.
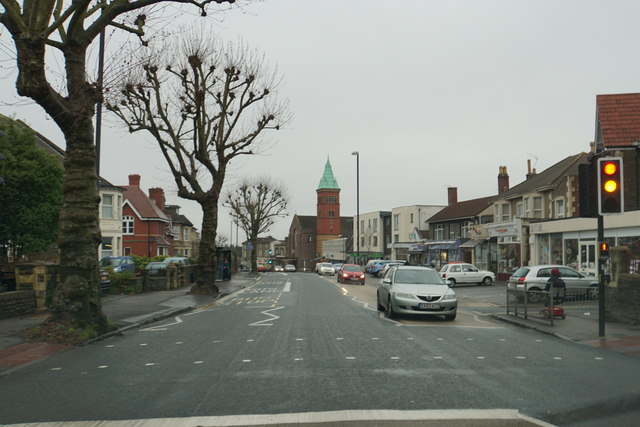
452, 231
107, 206
375, 225
526, 207
396, 222
186, 234
362, 242
127, 251
396, 238
362, 226
106, 248
309, 239
319, 199
438, 232
332, 199
411, 218
163, 250
464, 232
519, 210
537, 207
560, 208
506, 212
127, 224
375, 241
332, 213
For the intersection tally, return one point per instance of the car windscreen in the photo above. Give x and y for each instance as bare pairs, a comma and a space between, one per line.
420, 277
110, 262
351, 268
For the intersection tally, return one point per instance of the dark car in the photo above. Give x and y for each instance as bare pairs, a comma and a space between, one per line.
156, 268
119, 264
350, 273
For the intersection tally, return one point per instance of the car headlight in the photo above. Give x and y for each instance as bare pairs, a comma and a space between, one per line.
403, 295
449, 295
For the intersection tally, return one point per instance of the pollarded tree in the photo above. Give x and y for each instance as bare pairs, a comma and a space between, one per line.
255, 204
66, 29
205, 106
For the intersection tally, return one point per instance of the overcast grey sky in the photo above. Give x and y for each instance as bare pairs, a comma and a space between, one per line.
431, 93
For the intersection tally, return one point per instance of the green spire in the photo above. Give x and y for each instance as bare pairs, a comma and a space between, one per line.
328, 181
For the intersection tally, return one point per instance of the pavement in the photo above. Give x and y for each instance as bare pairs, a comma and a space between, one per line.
132, 311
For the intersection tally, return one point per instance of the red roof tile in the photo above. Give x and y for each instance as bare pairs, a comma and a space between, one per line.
142, 203
618, 118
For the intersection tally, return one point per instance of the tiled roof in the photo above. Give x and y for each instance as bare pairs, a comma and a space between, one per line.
547, 179
142, 204
328, 181
464, 209
618, 119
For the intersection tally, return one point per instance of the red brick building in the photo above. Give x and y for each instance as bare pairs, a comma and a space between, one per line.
145, 227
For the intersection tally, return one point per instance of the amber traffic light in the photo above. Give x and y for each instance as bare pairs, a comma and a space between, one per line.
610, 191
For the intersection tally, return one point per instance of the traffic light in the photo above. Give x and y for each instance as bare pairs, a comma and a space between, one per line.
610, 187
587, 189
604, 250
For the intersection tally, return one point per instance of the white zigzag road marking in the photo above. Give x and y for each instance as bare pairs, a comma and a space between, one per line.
162, 327
272, 317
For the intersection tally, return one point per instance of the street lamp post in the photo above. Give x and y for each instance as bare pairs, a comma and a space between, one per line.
357, 154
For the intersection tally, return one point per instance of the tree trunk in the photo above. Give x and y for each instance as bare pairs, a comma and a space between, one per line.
78, 292
254, 252
207, 260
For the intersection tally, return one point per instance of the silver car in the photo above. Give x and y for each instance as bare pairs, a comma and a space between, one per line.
416, 290
534, 278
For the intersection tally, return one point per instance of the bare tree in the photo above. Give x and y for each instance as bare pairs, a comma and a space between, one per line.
255, 204
67, 29
222, 241
204, 109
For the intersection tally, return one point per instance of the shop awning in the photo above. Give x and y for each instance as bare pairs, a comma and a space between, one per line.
471, 243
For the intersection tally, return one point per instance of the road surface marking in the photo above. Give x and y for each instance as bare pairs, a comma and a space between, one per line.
162, 327
198, 362
149, 364
271, 317
350, 358
103, 366
287, 287
246, 361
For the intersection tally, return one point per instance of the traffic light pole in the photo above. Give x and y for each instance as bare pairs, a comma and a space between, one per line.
601, 262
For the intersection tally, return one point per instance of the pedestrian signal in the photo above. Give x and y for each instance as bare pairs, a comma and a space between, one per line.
610, 186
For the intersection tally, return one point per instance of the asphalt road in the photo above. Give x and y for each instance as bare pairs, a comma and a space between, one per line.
302, 347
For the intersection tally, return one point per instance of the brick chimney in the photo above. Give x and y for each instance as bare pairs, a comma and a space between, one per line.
134, 180
503, 179
530, 172
157, 195
452, 195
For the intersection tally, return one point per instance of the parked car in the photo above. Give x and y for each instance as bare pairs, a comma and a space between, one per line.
326, 269
350, 273
386, 267
370, 263
462, 272
534, 279
105, 283
156, 268
119, 264
337, 266
290, 268
177, 260
406, 289
278, 268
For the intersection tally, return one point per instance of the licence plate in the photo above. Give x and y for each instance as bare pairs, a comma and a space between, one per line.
355, 279
428, 306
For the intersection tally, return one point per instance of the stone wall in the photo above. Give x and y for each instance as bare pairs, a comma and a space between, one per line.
17, 303
622, 302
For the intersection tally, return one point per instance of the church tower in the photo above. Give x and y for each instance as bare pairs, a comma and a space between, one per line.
328, 209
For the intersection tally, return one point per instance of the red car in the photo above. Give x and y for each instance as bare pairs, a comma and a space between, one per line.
350, 273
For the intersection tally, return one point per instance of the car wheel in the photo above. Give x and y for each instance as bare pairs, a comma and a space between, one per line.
534, 296
487, 281
380, 307
450, 316
451, 283
593, 292
389, 313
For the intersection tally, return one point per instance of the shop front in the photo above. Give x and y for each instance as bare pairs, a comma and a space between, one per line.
573, 241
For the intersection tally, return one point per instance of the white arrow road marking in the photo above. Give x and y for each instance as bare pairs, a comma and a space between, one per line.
161, 327
267, 313
287, 287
